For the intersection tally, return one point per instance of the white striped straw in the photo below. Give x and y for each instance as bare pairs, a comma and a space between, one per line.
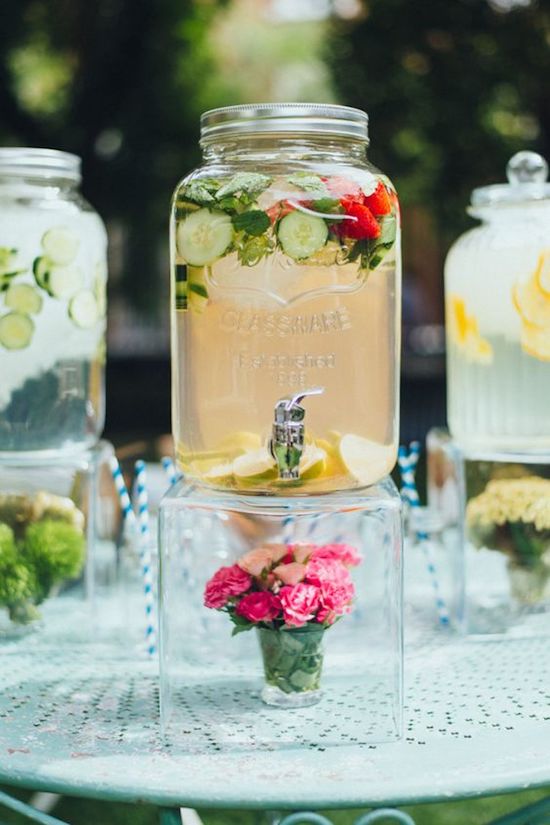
145, 556
288, 529
171, 470
407, 465
124, 498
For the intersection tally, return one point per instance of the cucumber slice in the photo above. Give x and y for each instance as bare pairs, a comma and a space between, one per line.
16, 330
60, 245
5, 279
63, 281
203, 236
23, 298
301, 235
40, 268
83, 309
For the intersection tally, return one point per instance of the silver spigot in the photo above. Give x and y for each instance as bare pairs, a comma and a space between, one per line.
287, 441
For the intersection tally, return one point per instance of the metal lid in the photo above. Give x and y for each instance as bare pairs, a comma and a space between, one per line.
311, 118
527, 174
23, 161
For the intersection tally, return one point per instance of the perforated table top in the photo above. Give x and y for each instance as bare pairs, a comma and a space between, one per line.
84, 720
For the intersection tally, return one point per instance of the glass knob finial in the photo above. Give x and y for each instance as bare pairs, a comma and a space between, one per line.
526, 167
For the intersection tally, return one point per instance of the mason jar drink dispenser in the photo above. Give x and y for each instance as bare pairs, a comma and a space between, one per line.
52, 307
285, 248
497, 287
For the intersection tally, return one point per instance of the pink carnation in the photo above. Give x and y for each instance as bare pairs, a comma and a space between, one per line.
262, 558
345, 553
225, 583
301, 552
290, 573
259, 607
321, 569
336, 599
299, 602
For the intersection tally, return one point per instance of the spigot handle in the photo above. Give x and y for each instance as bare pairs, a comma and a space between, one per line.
287, 441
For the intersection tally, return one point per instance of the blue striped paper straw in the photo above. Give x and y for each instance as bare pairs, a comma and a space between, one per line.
171, 470
288, 529
407, 464
145, 556
122, 490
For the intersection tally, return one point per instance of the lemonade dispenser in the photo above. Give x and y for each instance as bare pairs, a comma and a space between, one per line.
497, 287
285, 359
285, 250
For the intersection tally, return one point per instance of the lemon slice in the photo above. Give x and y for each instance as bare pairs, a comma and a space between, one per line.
535, 342
239, 442
542, 272
258, 465
220, 474
367, 461
532, 304
312, 462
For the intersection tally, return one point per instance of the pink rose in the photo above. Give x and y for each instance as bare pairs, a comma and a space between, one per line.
336, 599
225, 583
345, 553
259, 607
262, 558
290, 573
299, 602
321, 569
302, 552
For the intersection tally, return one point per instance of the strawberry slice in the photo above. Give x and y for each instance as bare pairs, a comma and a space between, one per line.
366, 225
379, 202
278, 211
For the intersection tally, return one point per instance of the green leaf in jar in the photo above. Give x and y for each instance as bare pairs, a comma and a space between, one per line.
255, 222
200, 191
251, 250
251, 184
309, 183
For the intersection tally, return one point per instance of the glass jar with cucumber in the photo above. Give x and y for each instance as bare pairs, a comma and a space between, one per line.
286, 273
53, 276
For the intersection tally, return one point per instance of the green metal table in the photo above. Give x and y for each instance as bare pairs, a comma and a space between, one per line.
83, 720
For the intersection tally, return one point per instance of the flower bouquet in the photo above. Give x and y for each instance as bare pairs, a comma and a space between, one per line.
291, 594
512, 516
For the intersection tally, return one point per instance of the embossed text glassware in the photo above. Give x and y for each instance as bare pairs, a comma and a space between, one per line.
286, 272
52, 306
497, 286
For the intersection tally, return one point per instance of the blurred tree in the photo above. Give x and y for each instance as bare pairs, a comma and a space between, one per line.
453, 89
110, 81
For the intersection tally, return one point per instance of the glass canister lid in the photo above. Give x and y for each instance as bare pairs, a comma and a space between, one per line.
527, 174
342, 121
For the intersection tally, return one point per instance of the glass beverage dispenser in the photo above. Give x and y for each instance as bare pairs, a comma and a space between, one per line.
497, 285
286, 274
53, 275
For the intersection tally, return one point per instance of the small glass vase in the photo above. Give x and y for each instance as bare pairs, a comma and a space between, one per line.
529, 586
293, 661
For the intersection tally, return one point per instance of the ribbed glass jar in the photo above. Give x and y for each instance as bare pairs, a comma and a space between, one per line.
497, 285
286, 275
53, 275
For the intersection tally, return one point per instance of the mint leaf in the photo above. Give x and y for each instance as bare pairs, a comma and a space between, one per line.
247, 183
251, 250
201, 191
255, 222
387, 235
309, 183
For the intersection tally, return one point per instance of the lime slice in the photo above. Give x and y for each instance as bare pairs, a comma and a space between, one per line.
258, 465
312, 462
542, 272
367, 461
16, 330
